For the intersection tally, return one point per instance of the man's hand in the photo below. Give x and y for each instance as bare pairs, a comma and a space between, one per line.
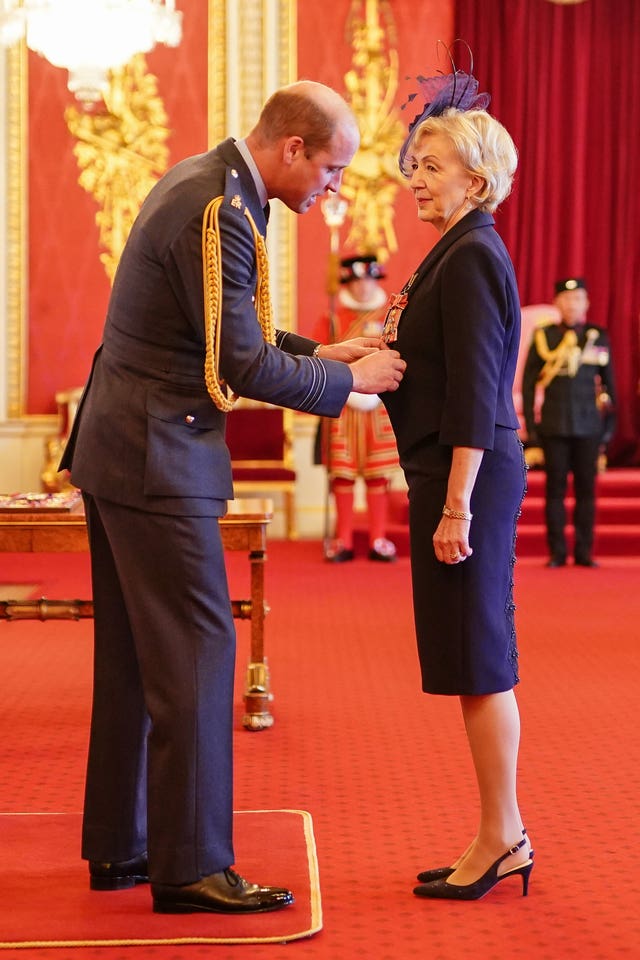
350, 350
379, 372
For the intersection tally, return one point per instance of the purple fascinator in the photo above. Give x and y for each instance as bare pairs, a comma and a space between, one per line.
458, 90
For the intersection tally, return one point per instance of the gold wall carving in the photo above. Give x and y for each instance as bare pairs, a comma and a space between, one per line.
371, 181
122, 151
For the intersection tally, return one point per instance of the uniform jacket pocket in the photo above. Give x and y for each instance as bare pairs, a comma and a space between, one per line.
186, 452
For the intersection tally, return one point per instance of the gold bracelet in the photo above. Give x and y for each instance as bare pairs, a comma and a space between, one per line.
316, 350
456, 514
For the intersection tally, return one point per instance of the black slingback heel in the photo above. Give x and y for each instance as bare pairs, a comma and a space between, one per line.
441, 889
441, 873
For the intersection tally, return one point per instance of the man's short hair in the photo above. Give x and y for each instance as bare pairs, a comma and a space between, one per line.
290, 113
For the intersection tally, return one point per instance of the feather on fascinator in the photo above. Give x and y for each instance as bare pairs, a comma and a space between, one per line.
457, 90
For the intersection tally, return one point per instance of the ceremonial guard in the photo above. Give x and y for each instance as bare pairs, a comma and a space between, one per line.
569, 363
361, 442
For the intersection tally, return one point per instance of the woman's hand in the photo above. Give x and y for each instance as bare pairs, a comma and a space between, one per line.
451, 541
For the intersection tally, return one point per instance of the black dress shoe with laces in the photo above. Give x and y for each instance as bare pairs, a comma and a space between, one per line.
557, 562
223, 892
118, 874
585, 562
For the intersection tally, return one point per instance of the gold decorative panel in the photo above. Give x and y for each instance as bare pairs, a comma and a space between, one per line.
252, 52
16, 253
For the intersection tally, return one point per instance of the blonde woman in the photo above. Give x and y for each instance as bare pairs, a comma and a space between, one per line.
457, 325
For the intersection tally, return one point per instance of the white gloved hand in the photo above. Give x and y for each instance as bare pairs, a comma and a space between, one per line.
364, 402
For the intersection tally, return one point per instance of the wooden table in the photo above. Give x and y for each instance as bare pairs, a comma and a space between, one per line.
243, 528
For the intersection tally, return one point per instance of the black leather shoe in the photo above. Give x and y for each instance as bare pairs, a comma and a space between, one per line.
336, 552
585, 562
383, 550
557, 562
224, 892
118, 874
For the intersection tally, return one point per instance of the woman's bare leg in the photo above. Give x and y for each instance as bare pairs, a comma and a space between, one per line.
492, 723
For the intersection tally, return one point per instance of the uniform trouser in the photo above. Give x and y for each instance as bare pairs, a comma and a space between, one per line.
159, 772
578, 455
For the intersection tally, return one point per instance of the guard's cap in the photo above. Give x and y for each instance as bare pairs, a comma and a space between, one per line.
570, 283
354, 268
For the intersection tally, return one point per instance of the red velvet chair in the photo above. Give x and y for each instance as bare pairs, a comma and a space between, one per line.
259, 437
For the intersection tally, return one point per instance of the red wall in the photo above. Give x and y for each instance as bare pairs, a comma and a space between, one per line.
68, 287
324, 54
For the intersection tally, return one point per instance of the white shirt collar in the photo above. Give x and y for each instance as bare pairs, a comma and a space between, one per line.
255, 173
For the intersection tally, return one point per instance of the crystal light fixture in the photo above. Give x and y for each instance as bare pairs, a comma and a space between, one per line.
90, 37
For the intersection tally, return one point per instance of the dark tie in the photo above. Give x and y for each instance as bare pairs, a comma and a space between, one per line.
266, 210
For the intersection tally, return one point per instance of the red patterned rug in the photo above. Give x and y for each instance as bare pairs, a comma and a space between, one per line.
46, 899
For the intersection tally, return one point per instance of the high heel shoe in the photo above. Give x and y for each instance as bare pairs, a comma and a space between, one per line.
442, 890
437, 873
441, 873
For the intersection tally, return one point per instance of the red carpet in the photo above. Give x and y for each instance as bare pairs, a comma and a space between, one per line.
382, 769
46, 901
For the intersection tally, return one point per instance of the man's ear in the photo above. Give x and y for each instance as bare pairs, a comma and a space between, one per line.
292, 148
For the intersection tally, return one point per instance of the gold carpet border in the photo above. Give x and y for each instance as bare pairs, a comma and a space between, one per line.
314, 900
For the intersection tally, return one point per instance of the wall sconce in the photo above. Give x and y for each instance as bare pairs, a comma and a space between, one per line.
90, 37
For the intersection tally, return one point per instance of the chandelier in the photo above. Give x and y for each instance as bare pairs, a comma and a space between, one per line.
90, 37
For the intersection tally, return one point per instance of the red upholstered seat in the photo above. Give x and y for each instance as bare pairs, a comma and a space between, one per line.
259, 440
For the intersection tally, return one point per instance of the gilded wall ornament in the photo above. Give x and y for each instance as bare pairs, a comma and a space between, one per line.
121, 151
371, 181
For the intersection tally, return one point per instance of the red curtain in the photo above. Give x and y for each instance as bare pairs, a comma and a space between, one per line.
565, 81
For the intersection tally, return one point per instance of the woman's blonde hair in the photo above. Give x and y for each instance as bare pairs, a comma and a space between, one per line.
484, 148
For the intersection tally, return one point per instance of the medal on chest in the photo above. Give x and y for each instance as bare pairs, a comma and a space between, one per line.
397, 304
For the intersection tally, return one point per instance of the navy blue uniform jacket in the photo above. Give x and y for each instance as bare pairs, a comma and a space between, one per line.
459, 335
569, 408
147, 435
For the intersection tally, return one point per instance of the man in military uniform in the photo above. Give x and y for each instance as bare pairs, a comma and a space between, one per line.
570, 363
190, 319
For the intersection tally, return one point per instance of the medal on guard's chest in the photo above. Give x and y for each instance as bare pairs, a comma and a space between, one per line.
397, 303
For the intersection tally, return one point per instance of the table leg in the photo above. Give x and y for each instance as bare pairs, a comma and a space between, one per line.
258, 694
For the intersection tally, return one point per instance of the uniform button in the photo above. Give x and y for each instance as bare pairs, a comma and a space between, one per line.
189, 418
234, 172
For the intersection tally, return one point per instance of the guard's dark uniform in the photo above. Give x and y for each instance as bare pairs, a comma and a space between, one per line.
573, 367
